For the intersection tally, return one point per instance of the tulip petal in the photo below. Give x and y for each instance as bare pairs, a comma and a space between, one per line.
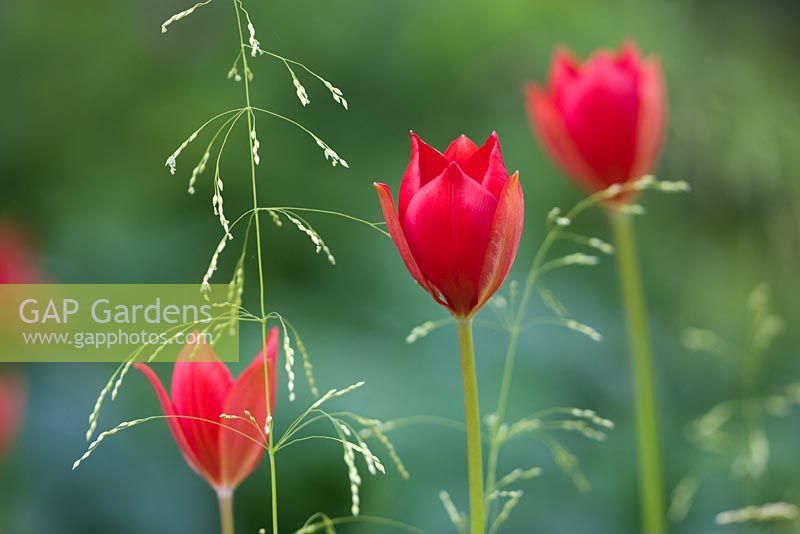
175, 426
447, 227
239, 456
564, 69
200, 383
398, 236
629, 56
426, 164
461, 150
553, 134
18, 263
600, 111
487, 166
504, 240
652, 118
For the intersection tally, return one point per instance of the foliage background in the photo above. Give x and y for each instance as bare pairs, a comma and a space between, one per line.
94, 98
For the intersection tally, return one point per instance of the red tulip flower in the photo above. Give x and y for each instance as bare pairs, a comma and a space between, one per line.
601, 121
17, 266
459, 221
202, 390
12, 403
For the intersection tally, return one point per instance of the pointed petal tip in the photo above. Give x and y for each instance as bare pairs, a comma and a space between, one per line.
629, 45
533, 89
536, 95
415, 141
653, 63
461, 149
454, 171
564, 62
536, 98
563, 54
493, 138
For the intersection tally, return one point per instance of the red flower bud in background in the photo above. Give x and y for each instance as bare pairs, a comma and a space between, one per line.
601, 121
17, 266
204, 389
17, 260
12, 404
459, 221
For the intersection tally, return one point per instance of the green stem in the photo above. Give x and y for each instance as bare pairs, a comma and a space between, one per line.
505, 387
473, 418
511, 351
273, 481
225, 498
530, 283
650, 478
246, 79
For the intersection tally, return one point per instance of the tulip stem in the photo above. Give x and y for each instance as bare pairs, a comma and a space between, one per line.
650, 478
225, 498
473, 419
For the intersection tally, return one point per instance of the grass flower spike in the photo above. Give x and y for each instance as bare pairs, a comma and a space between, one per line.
601, 121
459, 221
203, 390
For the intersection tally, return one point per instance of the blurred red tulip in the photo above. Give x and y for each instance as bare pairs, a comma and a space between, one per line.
12, 404
459, 222
204, 389
17, 259
17, 266
603, 121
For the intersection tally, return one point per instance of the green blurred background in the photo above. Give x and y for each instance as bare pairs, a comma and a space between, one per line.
94, 98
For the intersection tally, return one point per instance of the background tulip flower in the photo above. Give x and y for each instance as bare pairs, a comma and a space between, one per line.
225, 453
601, 121
459, 221
17, 266
17, 259
12, 403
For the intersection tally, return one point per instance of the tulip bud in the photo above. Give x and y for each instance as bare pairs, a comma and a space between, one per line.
17, 259
601, 121
459, 221
202, 391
